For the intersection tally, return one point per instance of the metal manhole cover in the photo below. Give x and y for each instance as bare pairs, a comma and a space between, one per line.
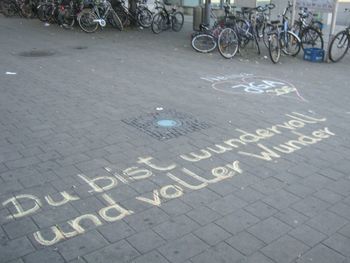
37, 53
167, 124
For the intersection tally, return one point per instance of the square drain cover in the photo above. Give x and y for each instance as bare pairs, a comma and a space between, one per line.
166, 124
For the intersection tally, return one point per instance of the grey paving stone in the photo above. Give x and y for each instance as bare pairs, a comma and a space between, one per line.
20, 227
9, 187
176, 227
300, 190
15, 248
203, 215
341, 209
153, 257
308, 235
257, 257
291, 217
332, 173
81, 245
146, 219
220, 253
120, 252
316, 181
211, 234
328, 196
310, 206
55, 215
24, 162
44, 255
269, 230
200, 197
248, 194
339, 243
341, 187
345, 231
146, 241
237, 221
268, 186
260, 210
284, 250
116, 231
245, 243
327, 222
88, 205
321, 254
10, 156
227, 204
281, 199
222, 188
144, 186
182, 249
175, 207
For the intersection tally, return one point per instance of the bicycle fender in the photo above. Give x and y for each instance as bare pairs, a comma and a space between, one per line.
295, 35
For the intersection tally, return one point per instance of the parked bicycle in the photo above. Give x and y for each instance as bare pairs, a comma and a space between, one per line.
236, 36
340, 44
142, 15
90, 19
262, 22
283, 39
165, 19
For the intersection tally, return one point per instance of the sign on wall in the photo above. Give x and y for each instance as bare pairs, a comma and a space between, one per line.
321, 5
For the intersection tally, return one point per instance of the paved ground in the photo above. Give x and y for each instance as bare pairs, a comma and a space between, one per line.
255, 170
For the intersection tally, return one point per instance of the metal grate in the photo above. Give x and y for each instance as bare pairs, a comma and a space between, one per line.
166, 124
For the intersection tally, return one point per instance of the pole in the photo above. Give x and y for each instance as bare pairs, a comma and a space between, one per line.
293, 11
332, 29
207, 12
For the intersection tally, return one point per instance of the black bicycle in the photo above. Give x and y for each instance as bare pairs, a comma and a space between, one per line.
340, 44
142, 15
165, 19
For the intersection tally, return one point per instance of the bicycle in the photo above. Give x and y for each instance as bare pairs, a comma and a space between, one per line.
283, 39
309, 33
262, 22
142, 15
165, 19
340, 44
236, 36
100, 13
68, 13
11, 7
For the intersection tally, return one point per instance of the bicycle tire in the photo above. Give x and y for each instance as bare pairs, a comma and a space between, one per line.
123, 16
343, 38
85, 21
8, 8
27, 11
115, 20
41, 13
256, 42
292, 48
267, 29
177, 20
68, 19
311, 38
274, 48
228, 43
144, 18
158, 23
204, 43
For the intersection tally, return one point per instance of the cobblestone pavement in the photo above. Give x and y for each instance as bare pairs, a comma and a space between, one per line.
131, 147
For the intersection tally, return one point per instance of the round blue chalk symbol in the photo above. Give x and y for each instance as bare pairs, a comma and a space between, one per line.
168, 123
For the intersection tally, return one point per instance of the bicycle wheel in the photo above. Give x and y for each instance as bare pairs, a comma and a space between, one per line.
274, 48
311, 38
339, 46
124, 18
8, 8
27, 11
42, 13
144, 18
115, 20
177, 20
68, 19
290, 45
267, 29
228, 43
158, 24
204, 43
86, 21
